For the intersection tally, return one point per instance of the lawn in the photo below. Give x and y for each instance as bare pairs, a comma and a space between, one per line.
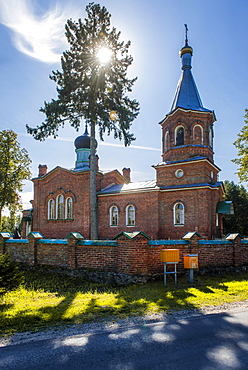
48, 299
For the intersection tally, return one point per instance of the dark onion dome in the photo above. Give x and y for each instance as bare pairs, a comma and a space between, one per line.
83, 141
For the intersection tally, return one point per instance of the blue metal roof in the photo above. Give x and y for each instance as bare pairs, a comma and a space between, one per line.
132, 186
150, 185
183, 186
187, 95
197, 158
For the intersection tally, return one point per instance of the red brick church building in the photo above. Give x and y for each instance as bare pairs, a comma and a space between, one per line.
185, 195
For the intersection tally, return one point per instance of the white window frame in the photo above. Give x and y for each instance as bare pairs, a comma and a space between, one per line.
201, 132
166, 141
113, 219
178, 212
210, 137
58, 204
179, 173
68, 215
28, 228
50, 209
176, 130
130, 215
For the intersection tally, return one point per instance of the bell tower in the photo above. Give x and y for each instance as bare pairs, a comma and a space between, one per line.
187, 133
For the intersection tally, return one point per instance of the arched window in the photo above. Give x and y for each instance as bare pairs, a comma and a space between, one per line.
178, 214
179, 135
198, 135
130, 215
68, 208
166, 141
51, 209
210, 137
113, 216
60, 207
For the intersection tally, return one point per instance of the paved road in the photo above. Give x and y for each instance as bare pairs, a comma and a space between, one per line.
218, 341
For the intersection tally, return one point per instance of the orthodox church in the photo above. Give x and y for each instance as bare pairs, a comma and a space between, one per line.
185, 195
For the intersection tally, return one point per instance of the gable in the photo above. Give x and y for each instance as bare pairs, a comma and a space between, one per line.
113, 177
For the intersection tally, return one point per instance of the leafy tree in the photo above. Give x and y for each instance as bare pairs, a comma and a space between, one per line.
10, 275
92, 89
242, 145
10, 223
239, 221
14, 168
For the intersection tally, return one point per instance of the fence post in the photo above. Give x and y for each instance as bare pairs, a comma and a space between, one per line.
33, 238
73, 238
3, 238
236, 240
132, 253
193, 238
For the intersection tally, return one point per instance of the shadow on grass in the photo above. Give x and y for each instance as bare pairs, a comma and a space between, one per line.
4, 307
129, 300
44, 317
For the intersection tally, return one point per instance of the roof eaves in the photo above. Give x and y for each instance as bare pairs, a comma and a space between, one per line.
190, 186
207, 111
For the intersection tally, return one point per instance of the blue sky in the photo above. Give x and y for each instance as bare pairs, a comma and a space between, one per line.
32, 40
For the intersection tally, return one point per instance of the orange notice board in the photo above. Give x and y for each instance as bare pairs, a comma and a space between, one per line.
191, 261
169, 255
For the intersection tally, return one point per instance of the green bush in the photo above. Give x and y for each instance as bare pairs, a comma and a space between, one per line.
10, 275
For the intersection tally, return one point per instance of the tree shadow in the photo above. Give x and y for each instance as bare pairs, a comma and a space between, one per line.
198, 343
130, 301
4, 307
45, 317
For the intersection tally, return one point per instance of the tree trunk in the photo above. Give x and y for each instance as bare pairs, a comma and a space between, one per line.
93, 199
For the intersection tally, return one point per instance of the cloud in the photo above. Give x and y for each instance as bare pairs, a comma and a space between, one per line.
131, 146
41, 36
26, 196
105, 143
102, 143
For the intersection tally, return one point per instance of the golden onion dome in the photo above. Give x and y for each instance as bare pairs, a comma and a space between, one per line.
186, 50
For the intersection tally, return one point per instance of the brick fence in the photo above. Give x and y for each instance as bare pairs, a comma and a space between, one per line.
128, 253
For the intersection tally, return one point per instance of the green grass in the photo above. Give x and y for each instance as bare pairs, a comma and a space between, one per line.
48, 299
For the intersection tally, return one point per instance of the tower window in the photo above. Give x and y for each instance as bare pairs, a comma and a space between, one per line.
51, 209
179, 214
198, 135
113, 216
60, 207
210, 137
179, 135
130, 215
166, 141
68, 207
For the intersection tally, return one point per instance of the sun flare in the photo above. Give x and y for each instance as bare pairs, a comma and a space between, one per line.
104, 55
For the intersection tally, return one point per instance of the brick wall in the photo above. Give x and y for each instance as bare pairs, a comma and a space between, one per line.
18, 250
52, 252
130, 253
187, 119
75, 185
196, 171
146, 206
195, 201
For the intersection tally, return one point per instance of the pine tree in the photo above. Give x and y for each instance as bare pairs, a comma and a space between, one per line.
92, 89
10, 274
